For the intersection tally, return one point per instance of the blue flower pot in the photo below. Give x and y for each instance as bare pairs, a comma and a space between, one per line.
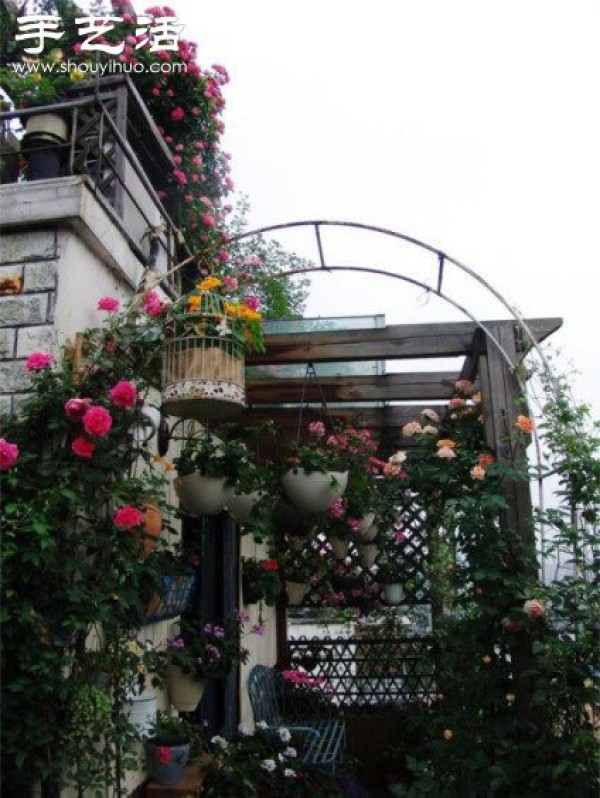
167, 763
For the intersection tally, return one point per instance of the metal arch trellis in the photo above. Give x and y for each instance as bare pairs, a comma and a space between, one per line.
443, 259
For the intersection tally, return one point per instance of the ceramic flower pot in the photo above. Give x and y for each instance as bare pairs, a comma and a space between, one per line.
202, 495
167, 763
393, 593
339, 547
367, 554
296, 591
185, 692
140, 711
314, 492
240, 505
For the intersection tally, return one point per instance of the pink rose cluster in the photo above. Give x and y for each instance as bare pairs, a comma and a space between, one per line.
9, 454
96, 420
534, 609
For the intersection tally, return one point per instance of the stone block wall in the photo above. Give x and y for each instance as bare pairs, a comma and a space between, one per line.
27, 317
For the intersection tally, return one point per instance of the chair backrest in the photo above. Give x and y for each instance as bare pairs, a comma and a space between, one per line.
264, 690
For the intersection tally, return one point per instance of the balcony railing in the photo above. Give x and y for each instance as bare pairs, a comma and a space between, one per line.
112, 140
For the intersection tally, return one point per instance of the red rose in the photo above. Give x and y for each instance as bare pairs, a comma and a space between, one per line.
270, 565
124, 394
97, 422
127, 517
83, 447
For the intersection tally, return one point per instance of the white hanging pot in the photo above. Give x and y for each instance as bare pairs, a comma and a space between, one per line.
314, 492
296, 591
185, 692
141, 711
367, 554
393, 593
202, 495
240, 505
54, 125
339, 547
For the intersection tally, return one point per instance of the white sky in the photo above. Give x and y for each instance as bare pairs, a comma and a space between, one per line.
473, 125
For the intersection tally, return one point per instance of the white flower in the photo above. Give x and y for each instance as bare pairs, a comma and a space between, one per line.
284, 735
446, 453
289, 773
223, 328
244, 730
268, 765
430, 414
262, 725
398, 458
428, 429
291, 753
220, 741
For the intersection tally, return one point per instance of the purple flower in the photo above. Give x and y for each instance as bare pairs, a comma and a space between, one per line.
259, 629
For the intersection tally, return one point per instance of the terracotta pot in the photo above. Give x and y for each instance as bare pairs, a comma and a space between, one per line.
202, 495
153, 524
296, 591
314, 492
185, 692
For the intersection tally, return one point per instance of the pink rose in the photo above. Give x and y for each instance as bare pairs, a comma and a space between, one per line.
251, 302
83, 447
177, 114
128, 516
478, 472
446, 453
153, 305
38, 361
412, 428
109, 303
534, 609
180, 177
9, 452
124, 394
97, 422
76, 408
208, 220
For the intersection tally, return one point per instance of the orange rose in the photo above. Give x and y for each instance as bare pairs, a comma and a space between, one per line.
444, 443
525, 424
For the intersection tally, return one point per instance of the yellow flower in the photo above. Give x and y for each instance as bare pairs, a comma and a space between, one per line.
588, 684
36, 77
209, 283
448, 734
446, 443
194, 302
75, 75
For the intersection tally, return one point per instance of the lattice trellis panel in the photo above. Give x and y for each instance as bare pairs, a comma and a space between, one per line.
347, 581
366, 669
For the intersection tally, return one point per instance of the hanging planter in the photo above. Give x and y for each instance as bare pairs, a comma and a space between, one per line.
240, 505
339, 547
296, 591
185, 692
202, 495
316, 491
44, 146
367, 554
203, 361
393, 593
140, 711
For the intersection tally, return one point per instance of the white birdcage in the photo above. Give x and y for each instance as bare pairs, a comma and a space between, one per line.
203, 371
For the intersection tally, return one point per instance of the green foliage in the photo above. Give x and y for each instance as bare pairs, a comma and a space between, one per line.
71, 575
171, 730
260, 581
516, 661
